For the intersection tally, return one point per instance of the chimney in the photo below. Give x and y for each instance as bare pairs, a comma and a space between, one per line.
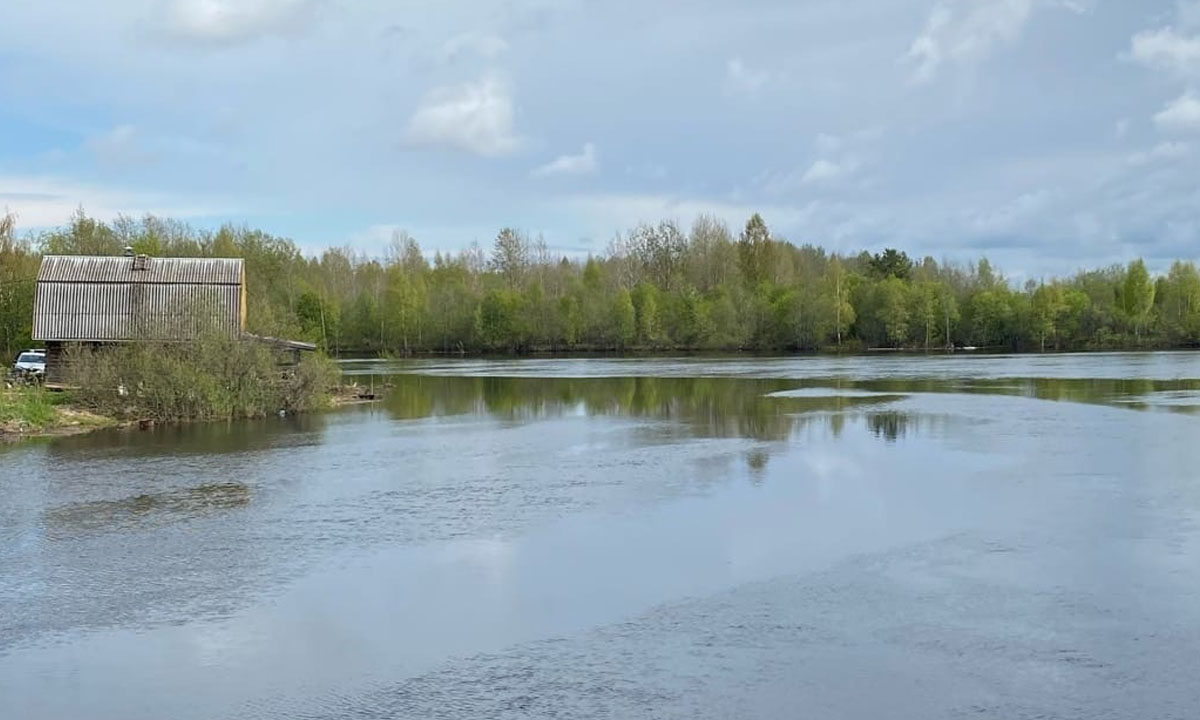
128, 251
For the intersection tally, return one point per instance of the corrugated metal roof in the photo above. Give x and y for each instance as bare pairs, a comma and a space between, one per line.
113, 269
103, 299
105, 312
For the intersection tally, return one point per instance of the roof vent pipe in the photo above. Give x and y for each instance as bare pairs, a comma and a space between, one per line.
128, 251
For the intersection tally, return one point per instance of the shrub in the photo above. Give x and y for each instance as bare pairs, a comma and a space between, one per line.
215, 377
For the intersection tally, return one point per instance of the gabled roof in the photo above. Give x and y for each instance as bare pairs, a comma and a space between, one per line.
111, 269
105, 299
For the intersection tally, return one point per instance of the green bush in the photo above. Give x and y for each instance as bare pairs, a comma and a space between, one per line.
212, 378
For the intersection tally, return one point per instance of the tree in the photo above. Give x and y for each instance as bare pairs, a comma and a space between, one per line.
645, 305
843, 310
893, 309
711, 258
891, 263
989, 314
927, 310
654, 253
1180, 303
499, 320
310, 311
655, 287
985, 276
1138, 296
950, 314
18, 272
510, 256
624, 319
83, 236
755, 251
1047, 306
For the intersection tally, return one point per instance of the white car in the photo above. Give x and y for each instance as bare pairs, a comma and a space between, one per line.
31, 362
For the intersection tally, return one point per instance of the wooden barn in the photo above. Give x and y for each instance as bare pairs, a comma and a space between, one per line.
119, 299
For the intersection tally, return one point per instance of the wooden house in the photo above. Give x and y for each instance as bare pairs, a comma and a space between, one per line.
96, 300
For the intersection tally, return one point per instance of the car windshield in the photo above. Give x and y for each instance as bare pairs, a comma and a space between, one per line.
31, 358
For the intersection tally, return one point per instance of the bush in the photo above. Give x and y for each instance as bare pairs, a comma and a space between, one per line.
213, 378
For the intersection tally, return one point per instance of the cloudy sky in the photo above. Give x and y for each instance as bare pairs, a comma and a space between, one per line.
1046, 134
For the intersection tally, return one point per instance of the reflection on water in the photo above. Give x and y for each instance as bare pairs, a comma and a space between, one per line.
702, 407
1096, 391
893, 425
197, 439
677, 539
147, 508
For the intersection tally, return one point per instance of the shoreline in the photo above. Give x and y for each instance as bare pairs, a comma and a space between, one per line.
668, 353
69, 420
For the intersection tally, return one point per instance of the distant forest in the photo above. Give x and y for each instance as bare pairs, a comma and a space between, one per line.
657, 288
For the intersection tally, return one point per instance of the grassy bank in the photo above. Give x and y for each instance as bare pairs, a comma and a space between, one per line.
30, 412
215, 378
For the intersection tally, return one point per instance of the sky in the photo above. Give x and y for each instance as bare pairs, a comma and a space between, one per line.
1047, 135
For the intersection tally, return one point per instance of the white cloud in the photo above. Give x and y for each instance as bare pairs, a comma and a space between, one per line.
1167, 49
585, 163
607, 211
477, 117
740, 78
484, 45
228, 22
1180, 115
825, 171
120, 146
1162, 151
926, 51
43, 202
1079, 7
308, 124
966, 32
1010, 217
839, 159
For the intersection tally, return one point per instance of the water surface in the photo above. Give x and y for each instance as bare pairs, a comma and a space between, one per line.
686, 538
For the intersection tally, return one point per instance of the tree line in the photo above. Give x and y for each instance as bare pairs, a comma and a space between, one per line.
658, 287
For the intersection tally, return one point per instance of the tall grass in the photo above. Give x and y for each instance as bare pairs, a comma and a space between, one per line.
215, 377
28, 408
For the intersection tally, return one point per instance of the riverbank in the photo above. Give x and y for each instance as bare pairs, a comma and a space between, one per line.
34, 412
27, 413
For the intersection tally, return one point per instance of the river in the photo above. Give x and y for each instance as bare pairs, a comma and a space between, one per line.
870, 537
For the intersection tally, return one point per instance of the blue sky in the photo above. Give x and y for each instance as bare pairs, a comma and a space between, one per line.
1045, 134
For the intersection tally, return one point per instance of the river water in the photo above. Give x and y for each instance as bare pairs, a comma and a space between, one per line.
883, 537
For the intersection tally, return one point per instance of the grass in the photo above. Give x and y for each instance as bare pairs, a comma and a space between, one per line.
31, 407
33, 411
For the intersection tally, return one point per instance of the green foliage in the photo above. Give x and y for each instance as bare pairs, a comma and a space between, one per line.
26, 408
657, 287
755, 250
1138, 296
892, 306
624, 319
214, 378
645, 306
891, 263
18, 270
